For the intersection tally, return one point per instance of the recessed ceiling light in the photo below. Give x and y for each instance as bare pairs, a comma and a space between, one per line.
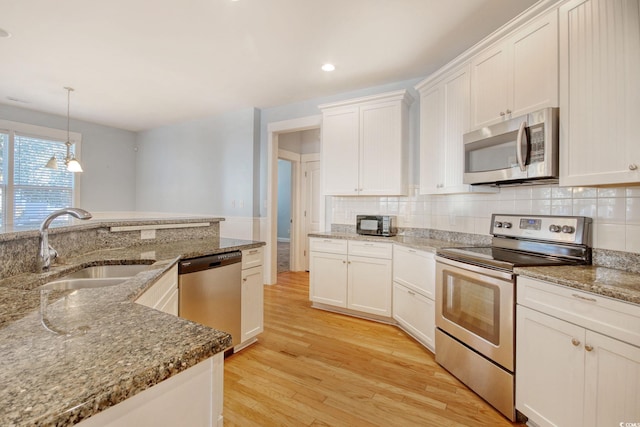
328, 67
4, 33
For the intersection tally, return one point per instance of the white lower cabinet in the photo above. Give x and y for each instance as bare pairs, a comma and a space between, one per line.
252, 305
415, 313
353, 275
193, 397
414, 293
568, 370
163, 295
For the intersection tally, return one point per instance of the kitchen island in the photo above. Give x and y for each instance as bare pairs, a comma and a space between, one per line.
123, 349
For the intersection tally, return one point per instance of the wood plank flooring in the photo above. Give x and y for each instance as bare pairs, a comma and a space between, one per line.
315, 368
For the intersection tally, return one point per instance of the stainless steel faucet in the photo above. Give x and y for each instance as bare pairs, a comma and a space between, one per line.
45, 251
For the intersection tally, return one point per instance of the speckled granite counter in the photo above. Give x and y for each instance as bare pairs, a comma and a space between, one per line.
420, 243
608, 282
49, 379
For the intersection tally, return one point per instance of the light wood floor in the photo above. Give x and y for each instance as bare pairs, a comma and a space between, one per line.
315, 368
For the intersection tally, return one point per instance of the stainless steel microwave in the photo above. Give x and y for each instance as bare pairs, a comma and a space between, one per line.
376, 225
518, 150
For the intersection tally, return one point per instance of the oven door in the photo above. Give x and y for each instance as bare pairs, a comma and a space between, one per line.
476, 306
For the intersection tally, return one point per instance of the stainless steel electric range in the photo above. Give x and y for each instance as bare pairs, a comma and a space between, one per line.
475, 297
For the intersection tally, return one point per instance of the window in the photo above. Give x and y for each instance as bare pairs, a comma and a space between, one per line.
28, 190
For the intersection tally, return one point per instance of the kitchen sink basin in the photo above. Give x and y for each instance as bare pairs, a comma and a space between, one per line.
106, 271
72, 284
94, 277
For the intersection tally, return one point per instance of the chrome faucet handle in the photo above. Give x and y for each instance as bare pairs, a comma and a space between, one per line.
53, 254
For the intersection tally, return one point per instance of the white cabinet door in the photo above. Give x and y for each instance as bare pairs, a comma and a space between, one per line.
365, 145
612, 385
415, 269
382, 150
328, 278
444, 118
534, 65
415, 313
549, 369
599, 86
517, 75
431, 140
341, 151
489, 83
369, 288
252, 322
162, 295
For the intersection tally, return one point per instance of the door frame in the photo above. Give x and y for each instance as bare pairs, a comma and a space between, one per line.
273, 130
303, 226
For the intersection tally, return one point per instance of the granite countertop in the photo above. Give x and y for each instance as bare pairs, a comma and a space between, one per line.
420, 243
122, 347
608, 282
603, 281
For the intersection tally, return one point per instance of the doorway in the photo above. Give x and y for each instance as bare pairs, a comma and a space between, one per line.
298, 141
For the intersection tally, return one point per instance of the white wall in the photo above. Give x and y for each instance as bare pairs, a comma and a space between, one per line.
108, 158
203, 166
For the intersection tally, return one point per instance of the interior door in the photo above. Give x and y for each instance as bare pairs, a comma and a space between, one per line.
311, 185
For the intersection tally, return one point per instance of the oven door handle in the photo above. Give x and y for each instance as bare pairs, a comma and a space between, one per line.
505, 275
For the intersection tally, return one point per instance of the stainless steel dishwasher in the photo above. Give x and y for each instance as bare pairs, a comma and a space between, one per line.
210, 290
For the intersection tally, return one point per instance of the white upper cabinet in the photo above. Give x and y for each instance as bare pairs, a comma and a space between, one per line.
516, 75
365, 145
444, 117
599, 87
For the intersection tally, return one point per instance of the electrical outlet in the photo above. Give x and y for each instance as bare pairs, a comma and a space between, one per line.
148, 234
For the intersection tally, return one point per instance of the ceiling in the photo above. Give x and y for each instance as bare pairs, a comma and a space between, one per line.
139, 64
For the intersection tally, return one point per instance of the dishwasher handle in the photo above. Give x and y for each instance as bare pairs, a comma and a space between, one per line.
193, 265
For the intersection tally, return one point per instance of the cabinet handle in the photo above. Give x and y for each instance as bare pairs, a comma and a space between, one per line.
255, 251
244, 280
584, 298
508, 111
501, 113
412, 293
588, 347
633, 167
412, 251
575, 342
355, 189
344, 262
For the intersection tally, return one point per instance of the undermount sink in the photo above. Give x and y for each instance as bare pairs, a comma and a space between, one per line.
72, 284
106, 271
95, 277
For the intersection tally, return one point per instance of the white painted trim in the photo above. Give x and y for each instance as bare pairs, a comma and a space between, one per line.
311, 157
288, 155
273, 129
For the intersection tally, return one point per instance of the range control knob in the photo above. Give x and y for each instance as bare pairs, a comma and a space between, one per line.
568, 229
506, 225
554, 228
497, 224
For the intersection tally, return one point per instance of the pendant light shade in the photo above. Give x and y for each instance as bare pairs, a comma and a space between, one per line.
72, 164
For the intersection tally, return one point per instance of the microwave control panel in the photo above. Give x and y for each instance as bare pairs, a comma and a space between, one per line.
536, 136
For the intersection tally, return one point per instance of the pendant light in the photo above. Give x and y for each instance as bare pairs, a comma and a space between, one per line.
72, 164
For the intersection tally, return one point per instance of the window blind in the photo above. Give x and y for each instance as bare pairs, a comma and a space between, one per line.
38, 191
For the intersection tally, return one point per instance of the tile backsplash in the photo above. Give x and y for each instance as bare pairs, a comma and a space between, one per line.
615, 211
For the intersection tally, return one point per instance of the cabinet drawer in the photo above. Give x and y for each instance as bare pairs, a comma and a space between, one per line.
371, 249
252, 258
415, 269
415, 313
616, 319
332, 246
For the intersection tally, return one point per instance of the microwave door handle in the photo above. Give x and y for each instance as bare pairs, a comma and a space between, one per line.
522, 143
